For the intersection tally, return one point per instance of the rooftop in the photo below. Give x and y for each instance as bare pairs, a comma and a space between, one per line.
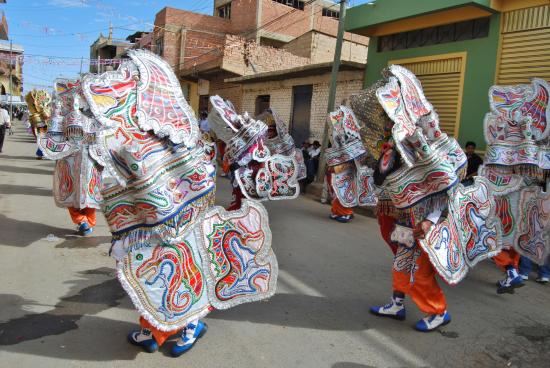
391, 16
297, 72
16, 48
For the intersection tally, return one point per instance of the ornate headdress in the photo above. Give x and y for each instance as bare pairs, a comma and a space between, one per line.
517, 128
262, 174
432, 161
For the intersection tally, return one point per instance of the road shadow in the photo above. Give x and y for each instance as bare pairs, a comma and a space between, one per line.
301, 311
350, 365
22, 139
83, 242
100, 339
10, 157
24, 170
21, 233
24, 190
88, 300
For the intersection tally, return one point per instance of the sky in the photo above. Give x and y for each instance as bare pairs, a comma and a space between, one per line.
65, 29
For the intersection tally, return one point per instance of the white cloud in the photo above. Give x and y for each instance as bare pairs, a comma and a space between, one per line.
69, 3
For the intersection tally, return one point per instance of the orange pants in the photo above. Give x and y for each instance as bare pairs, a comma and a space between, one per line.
160, 336
423, 289
339, 210
79, 215
508, 257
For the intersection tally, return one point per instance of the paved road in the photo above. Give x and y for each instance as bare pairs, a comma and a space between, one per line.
60, 305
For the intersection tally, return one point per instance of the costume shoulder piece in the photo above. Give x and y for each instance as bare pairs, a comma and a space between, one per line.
517, 164
267, 163
352, 180
517, 127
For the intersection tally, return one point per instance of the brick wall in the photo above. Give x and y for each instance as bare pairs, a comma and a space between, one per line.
201, 47
320, 48
187, 35
243, 17
193, 39
247, 57
301, 46
280, 92
323, 47
294, 23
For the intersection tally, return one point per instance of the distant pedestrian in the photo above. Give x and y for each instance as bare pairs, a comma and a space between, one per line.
203, 122
5, 124
474, 162
313, 163
315, 150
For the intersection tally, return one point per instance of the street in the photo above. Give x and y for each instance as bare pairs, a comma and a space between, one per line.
61, 305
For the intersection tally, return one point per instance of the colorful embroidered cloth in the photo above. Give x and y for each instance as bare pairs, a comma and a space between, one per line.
178, 256
517, 165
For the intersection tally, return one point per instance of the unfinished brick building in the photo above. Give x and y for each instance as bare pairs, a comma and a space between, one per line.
246, 38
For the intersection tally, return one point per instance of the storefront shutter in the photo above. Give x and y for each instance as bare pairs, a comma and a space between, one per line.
524, 46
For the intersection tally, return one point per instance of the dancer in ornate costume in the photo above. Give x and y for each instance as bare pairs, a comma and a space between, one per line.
517, 164
38, 102
264, 162
178, 256
431, 222
70, 141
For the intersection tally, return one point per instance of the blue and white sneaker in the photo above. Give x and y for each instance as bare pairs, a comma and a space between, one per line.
143, 338
188, 337
512, 281
343, 219
84, 229
433, 321
394, 309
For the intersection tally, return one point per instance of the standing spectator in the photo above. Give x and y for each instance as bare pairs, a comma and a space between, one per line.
305, 153
5, 123
315, 150
203, 122
314, 153
474, 162
525, 267
312, 163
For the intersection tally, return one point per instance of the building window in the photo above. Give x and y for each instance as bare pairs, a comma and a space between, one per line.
262, 103
461, 31
331, 13
159, 46
296, 4
224, 11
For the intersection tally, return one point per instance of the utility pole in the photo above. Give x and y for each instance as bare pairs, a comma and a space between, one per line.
81, 61
332, 89
11, 83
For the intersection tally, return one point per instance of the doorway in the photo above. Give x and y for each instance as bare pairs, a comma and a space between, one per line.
301, 113
204, 103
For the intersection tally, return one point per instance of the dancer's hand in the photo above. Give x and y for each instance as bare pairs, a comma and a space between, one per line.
422, 229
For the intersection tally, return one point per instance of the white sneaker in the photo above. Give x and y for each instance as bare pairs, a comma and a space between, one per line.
512, 281
394, 309
433, 321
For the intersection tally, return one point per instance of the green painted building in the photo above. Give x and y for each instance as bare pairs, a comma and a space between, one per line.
458, 49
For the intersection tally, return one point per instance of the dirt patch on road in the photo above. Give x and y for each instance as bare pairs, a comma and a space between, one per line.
527, 347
